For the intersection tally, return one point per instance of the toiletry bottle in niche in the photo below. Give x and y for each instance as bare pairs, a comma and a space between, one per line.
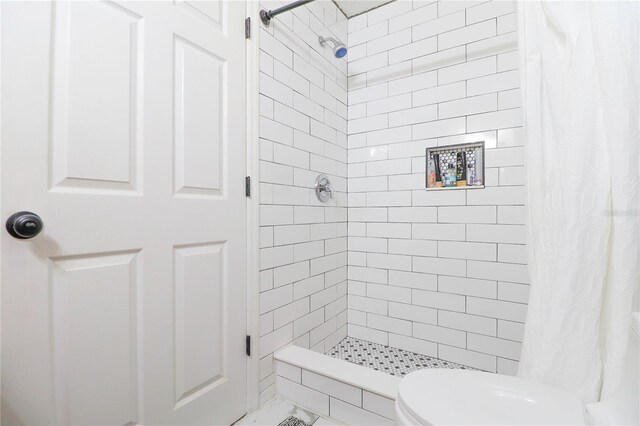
431, 174
450, 176
436, 167
461, 178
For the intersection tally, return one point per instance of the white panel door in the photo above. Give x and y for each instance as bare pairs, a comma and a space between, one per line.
123, 127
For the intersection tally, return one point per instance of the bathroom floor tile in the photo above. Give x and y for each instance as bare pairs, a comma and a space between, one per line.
387, 359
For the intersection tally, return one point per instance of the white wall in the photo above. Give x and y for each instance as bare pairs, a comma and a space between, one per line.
303, 257
441, 273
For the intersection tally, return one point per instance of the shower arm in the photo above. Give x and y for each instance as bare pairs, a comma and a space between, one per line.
266, 16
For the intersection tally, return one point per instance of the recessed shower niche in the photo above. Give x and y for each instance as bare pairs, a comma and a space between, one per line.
459, 166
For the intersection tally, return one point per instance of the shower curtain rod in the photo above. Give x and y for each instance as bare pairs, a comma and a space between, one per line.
266, 16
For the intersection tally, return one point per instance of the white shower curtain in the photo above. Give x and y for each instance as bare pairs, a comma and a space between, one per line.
580, 75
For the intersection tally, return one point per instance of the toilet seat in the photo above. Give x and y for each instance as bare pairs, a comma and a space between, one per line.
447, 396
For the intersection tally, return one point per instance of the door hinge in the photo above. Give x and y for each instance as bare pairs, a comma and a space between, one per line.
247, 186
248, 345
247, 28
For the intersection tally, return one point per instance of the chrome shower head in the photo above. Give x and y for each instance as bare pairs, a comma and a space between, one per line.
339, 49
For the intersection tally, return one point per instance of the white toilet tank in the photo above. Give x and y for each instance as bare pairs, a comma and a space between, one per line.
623, 407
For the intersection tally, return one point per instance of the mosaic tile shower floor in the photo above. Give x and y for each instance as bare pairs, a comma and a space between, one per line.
387, 359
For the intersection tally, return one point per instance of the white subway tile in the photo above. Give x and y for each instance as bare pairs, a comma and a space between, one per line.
438, 128
275, 340
437, 231
434, 299
368, 123
388, 136
510, 330
366, 304
413, 313
352, 415
389, 11
276, 215
291, 117
329, 386
306, 397
389, 73
412, 214
413, 50
494, 82
509, 99
393, 103
489, 10
290, 273
389, 198
498, 271
472, 359
496, 233
413, 280
413, 247
465, 322
468, 106
368, 334
288, 371
368, 63
492, 46
467, 70
515, 215
438, 94
508, 61
379, 91
308, 322
440, 59
368, 214
512, 253
378, 404
385, 323
290, 312
439, 26
414, 82
466, 250
447, 7
413, 115
275, 256
389, 167
272, 130
415, 17
497, 309
438, 198
467, 286
413, 345
497, 196
368, 274
468, 34
440, 334
494, 346
508, 367
388, 42
389, 230
513, 292
388, 292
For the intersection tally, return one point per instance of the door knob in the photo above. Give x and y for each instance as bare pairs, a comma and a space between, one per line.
24, 225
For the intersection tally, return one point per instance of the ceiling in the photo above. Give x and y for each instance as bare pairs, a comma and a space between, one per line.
352, 8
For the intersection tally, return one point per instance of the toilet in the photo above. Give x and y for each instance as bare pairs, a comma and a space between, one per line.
464, 397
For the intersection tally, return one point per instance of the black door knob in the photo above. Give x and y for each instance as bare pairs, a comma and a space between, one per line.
24, 225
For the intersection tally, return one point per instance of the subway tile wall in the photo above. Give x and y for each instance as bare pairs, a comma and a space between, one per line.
303, 132
440, 273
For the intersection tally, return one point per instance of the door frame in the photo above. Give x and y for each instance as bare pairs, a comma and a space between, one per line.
253, 203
